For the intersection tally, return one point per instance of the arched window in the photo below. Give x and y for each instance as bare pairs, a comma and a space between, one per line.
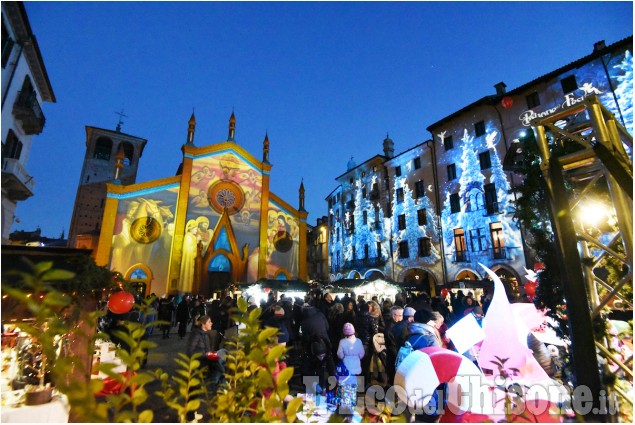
128, 151
103, 148
138, 274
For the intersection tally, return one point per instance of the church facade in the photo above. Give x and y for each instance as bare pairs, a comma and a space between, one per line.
213, 224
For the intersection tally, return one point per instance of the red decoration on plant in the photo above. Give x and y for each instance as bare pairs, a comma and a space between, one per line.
539, 266
444, 292
530, 289
267, 290
507, 102
120, 302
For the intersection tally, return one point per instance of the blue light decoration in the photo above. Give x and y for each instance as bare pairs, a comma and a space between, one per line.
413, 232
220, 263
474, 217
223, 241
363, 235
621, 73
138, 274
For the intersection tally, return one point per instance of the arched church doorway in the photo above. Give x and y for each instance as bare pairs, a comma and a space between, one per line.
218, 276
140, 278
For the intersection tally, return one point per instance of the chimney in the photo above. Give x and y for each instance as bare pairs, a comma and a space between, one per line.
500, 88
600, 45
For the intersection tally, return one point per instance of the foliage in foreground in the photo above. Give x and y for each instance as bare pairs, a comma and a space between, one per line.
254, 390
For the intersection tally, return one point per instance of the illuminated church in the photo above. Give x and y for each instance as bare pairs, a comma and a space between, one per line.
215, 223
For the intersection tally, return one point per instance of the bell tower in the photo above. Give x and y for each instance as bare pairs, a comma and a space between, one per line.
111, 157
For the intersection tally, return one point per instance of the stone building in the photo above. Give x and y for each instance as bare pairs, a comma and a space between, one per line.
104, 148
216, 223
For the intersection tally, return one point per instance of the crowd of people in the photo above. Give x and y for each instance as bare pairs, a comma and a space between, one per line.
331, 336
319, 326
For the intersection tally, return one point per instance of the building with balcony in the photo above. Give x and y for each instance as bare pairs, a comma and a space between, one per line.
428, 216
25, 86
383, 219
475, 150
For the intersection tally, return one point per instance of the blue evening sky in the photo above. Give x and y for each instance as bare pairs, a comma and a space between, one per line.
327, 81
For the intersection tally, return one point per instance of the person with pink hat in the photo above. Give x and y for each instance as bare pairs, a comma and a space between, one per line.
351, 350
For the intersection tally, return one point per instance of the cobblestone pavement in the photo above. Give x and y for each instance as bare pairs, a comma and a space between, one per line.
162, 357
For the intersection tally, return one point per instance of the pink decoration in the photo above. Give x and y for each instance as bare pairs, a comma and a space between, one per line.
502, 338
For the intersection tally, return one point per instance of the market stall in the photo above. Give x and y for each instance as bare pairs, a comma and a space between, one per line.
381, 288
261, 288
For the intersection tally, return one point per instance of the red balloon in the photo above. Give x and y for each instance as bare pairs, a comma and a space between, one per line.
120, 302
539, 266
507, 102
530, 289
444, 292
